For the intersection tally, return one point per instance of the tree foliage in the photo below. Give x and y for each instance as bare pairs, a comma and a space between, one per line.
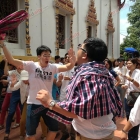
133, 37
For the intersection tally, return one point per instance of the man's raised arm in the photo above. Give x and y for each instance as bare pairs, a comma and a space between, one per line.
9, 57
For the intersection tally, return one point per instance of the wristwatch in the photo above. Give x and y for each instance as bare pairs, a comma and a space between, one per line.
124, 132
52, 104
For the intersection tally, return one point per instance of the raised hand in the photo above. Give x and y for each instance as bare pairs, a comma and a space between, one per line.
2, 37
60, 77
13, 78
72, 57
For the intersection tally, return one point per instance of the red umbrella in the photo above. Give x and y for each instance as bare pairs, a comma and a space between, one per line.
12, 21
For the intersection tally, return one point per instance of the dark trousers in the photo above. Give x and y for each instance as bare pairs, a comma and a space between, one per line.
133, 133
15, 100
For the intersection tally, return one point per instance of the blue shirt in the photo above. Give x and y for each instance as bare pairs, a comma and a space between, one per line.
55, 90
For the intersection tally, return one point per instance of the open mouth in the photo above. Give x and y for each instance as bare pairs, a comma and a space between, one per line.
46, 62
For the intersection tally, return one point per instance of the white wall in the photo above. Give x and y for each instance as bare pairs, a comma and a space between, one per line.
116, 21
43, 25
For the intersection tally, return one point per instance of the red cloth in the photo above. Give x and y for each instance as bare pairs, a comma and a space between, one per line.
12, 21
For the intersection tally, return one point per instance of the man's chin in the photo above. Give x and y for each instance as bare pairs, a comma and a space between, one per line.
76, 64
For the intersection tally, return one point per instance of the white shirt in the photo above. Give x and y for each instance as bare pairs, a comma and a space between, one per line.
96, 128
131, 87
134, 117
39, 78
8, 89
58, 63
24, 90
121, 71
65, 83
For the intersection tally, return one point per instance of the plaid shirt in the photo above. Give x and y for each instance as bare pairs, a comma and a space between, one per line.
91, 93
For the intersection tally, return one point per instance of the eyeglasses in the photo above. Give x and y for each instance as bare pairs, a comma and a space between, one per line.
48, 56
80, 47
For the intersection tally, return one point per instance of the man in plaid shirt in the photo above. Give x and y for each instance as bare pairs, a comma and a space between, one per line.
92, 98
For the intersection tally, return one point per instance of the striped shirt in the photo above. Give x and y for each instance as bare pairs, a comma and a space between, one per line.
91, 93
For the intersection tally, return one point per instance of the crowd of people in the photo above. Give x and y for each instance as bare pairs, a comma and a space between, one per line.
78, 96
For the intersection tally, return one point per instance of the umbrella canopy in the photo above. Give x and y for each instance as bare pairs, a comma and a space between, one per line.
12, 21
130, 50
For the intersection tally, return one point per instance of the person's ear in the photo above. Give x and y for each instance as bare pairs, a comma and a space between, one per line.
84, 56
38, 57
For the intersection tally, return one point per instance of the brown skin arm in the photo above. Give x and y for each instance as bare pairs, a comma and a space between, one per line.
9, 57
118, 81
134, 82
127, 127
6, 69
60, 110
66, 78
58, 82
44, 97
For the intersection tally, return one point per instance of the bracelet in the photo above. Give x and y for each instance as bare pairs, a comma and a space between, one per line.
132, 80
124, 131
2, 45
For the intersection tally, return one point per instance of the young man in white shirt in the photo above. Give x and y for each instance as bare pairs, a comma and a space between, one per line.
121, 71
41, 75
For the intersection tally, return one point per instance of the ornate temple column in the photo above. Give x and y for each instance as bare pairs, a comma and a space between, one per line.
91, 18
57, 31
67, 7
27, 39
110, 29
71, 31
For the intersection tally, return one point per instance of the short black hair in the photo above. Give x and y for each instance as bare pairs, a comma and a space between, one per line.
120, 59
96, 49
56, 57
62, 58
66, 54
41, 49
109, 62
134, 60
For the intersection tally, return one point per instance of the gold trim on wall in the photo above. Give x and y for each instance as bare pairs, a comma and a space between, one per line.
110, 29
57, 30
92, 16
67, 7
27, 39
110, 26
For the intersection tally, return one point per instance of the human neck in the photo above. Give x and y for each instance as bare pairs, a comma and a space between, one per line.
42, 66
120, 66
131, 71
